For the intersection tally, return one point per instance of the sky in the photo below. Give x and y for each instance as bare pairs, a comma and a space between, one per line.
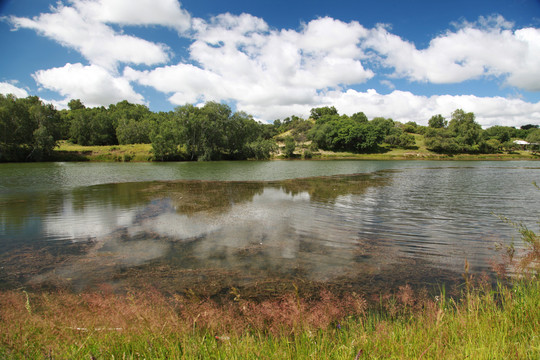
405, 60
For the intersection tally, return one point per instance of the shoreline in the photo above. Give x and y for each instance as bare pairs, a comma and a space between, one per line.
142, 153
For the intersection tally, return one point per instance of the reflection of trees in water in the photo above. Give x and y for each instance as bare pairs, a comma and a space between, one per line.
190, 197
328, 188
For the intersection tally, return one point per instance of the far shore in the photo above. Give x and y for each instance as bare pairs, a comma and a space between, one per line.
143, 153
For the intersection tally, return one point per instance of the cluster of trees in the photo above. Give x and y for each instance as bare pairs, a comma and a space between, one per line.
30, 130
212, 132
356, 133
462, 134
123, 123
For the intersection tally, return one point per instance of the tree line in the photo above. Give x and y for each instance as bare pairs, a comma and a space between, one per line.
30, 130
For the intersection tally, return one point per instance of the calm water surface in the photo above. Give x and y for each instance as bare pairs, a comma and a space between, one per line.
207, 227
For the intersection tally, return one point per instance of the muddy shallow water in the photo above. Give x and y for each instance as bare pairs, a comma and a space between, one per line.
364, 232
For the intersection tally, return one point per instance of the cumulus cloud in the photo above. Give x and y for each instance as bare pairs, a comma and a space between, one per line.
405, 106
277, 73
94, 85
486, 48
96, 41
141, 12
7, 88
240, 58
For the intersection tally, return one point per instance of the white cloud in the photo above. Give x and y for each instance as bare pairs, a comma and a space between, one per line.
476, 50
404, 106
7, 88
277, 73
97, 42
240, 58
388, 84
141, 12
94, 85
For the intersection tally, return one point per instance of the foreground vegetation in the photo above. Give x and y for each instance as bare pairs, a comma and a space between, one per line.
31, 131
485, 323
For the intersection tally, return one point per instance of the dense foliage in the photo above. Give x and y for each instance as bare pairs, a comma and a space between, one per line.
462, 134
30, 130
355, 133
212, 132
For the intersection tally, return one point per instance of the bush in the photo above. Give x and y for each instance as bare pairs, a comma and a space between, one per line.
289, 148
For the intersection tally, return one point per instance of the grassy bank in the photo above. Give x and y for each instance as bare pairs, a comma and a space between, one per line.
66, 151
142, 152
485, 323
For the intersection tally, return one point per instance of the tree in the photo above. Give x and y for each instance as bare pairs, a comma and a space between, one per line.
462, 135
29, 129
359, 117
290, 146
500, 133
92, 126
411, 127
166, 137
343, 133
437, 122
133, 132
534, 137
317, 113
75, 104
465, 129
212, 132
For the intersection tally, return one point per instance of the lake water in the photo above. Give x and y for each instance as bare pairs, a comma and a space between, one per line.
262, 227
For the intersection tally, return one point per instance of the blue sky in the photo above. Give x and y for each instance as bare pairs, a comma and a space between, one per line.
407, 60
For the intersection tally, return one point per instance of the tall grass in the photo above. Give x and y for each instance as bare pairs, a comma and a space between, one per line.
487, 322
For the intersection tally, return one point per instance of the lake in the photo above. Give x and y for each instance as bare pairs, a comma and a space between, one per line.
259, 226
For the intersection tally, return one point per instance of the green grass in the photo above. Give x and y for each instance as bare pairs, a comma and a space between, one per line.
66, 151
485, 323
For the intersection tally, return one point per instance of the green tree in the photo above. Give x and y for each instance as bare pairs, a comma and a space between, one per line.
166, 137
411, 127
463, 135
76, 104
290, 146
29, 129
133, 132
342, 133
534, 136
92, 126
212, 132
500, 133
359, 117
465, 129
534, 139
437, 122
317, 113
